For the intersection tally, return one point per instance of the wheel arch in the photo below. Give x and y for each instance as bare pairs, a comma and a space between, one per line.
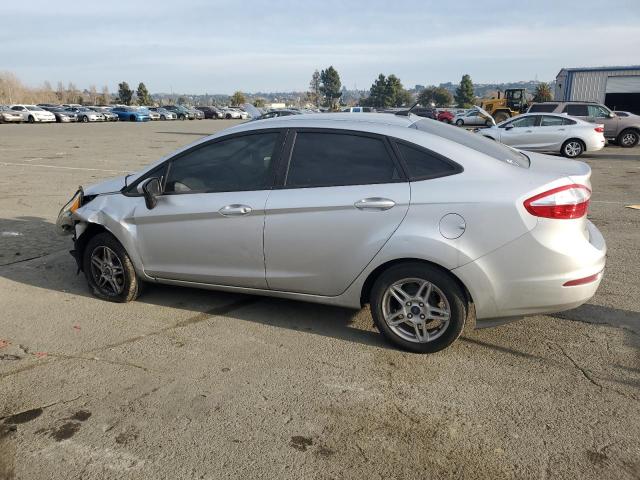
367, 286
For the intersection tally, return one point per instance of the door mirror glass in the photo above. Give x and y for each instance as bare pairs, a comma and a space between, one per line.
508, 127
612, 115
151, 192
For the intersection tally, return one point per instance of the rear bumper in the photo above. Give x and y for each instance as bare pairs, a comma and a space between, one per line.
528, 275
595, 143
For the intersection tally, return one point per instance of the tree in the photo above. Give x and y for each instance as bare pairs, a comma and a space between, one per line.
143, 95
314, 93
73, 94
237, 98
182, 100
330, 87
125, 94
387, 92
464, 93
93, 95
259, 103
543, 93
105, 97
440, 97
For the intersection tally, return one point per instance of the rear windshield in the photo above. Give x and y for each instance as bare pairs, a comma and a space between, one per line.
542, 107
474, 141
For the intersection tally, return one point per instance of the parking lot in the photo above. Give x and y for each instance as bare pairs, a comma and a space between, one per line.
185, 383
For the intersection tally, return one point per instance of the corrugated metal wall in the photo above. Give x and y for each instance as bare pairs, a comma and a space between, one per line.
591, 86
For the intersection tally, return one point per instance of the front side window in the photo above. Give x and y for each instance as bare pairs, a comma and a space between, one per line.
598, 112
576, 110
235, 164
330, 159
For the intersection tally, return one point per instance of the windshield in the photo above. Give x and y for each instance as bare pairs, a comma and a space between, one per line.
474, 141
35, 109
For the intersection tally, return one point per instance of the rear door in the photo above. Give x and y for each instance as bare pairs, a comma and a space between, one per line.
553, 131
342, 195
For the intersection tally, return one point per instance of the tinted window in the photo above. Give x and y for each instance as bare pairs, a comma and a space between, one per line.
549, 121
543, 107
241, 163
577, 110
422, 164
325, 159
622, 114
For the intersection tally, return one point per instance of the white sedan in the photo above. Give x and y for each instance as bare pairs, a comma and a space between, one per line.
549, 132
33, 114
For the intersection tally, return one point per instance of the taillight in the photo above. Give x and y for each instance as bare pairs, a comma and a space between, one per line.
599, 129
566, 202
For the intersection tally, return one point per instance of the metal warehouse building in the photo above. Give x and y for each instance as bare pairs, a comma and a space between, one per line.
617, 87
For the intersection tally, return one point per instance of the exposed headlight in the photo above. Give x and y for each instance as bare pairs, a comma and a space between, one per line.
65, 223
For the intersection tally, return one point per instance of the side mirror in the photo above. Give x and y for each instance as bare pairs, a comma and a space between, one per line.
151, 192
612, 115
508, 127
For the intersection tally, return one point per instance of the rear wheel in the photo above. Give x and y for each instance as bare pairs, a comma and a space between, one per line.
628, 138
109, 270
181, 117
31, 119
418, 307
162, 117
572, 148
85, 119
459, 122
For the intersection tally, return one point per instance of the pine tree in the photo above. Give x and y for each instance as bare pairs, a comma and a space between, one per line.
464, 93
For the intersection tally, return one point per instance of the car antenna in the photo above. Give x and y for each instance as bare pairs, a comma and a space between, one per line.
405, 113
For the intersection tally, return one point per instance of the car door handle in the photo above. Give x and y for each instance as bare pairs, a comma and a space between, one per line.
374, 203
529, 131
235, 210
561, 129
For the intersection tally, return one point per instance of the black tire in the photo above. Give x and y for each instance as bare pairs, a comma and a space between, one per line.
501, 116
31, 119
628, 138
162, 117
228, 116
572, 148
438, 278
131, 285
488, 122
132, 118
85, 119
181, 117
459, 122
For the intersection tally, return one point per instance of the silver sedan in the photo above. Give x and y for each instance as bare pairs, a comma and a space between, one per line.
426, 222
549, 132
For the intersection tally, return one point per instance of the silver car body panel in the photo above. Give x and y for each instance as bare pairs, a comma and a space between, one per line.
314, 245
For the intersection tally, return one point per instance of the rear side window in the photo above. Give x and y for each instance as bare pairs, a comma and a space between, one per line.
552, 121
331, 159
577, 110
422, 164
543, 108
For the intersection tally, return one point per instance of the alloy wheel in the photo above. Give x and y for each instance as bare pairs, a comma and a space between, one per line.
416, 310
107, 271
573, 149
628, 139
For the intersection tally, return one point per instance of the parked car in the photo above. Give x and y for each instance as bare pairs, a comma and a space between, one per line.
423, 221
164, 113
358, 110
197, 114
284, 112
33, 114
475, 117
131, 114
570, 137
211, 112
445, 116
106, 112
153, 115
85, 114
62, 114
625, 131
230, 113
9, 116
181, 112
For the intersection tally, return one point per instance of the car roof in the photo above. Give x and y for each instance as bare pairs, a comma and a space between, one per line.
339, 120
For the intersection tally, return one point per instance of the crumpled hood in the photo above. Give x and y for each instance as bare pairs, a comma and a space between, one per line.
108, 186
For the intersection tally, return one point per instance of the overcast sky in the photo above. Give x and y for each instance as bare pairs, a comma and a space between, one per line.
199, 46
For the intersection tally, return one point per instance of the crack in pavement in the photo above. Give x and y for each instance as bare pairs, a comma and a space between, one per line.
200, 317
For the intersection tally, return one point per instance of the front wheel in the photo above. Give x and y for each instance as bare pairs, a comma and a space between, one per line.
181, 117
459, 122
572, 148
109, 270
628, 138
85, 119
418, 307
31, 119
162, 117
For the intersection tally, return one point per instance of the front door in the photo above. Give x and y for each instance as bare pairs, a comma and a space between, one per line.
343, 197
207, 226
521, 132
